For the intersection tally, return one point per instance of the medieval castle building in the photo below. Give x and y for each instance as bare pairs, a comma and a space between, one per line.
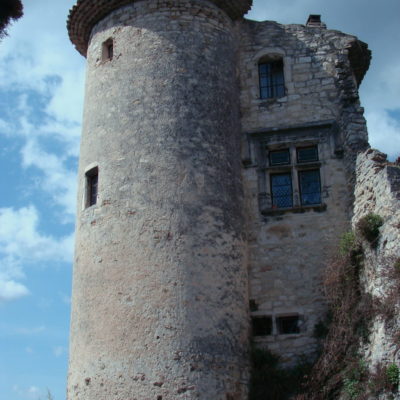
217, 171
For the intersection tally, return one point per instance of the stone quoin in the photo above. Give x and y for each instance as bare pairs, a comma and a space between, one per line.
217, 170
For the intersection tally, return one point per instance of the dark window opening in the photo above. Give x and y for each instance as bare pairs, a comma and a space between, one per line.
108, 50
262, 326
271, 79
288, 325
253, 305
281, 190
307, 154
310, 187
279, 157
92, 182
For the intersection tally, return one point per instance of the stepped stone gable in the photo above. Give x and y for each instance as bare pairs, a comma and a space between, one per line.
216, 175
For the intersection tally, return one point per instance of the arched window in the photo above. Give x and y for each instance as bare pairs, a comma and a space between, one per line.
270, 72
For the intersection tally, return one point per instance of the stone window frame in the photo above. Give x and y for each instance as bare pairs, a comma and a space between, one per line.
275, 318
293, 169
91, 172
273, 69
255, 155
272, 54
107, 50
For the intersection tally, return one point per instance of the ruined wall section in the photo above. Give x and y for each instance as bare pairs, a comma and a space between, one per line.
289, 248
378, 191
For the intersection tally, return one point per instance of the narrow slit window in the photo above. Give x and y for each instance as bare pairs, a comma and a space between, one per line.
271, 78
281, 190
262, 326
108, 50
92, 183
288, 325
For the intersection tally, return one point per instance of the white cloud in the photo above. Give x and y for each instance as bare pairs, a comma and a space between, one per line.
20, 238
11, 290
66, 299
45, 75
384, 133
30, 392
45, 62
56, 179
21, 244
30, 331
59, 351
33, 390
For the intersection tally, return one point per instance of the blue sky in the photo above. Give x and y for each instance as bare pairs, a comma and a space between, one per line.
41, 100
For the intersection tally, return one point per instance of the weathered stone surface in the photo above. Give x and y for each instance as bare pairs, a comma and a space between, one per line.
377, 191
160, 300
296, 244
87, 13
181, 233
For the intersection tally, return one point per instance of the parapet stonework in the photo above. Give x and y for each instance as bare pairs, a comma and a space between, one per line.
216, 175
87, 13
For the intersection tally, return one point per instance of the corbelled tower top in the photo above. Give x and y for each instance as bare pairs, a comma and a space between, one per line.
86, 13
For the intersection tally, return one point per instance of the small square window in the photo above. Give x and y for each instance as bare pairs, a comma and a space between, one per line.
262, 326
92, 181
281, 190
107, 50
310, 187
288, 325
279, 157
307, 154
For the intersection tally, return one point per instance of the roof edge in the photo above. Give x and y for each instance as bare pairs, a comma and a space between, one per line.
85, 14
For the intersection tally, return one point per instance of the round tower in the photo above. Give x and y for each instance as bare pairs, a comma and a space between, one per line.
159, 307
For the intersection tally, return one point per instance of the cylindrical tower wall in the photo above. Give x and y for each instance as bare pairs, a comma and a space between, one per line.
159, 307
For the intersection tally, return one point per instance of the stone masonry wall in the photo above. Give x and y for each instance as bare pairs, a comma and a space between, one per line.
160, 290
288, 249
378, 191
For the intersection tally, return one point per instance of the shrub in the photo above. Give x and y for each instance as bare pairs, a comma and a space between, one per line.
368, 226
270, 381
347, 243
392, 374
320, 330
351, 388
354, 381
397, 265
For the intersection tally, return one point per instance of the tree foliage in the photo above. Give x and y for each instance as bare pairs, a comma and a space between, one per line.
10, 10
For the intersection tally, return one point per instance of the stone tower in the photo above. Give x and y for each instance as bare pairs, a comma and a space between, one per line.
159, 307
216, 175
